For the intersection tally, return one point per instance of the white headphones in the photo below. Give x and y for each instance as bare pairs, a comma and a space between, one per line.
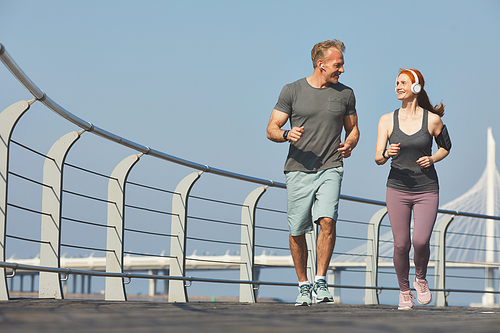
416, 88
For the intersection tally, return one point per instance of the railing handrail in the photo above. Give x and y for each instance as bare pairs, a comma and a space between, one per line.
41, 96
66, 271
88, 126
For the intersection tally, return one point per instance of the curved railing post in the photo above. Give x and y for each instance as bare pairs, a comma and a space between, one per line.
115, 289
177, 288
440, 259
334, 277
49, 283
247, 269
8, 120
372, 246
311, 239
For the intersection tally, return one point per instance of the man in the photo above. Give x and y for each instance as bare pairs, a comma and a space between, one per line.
318, 107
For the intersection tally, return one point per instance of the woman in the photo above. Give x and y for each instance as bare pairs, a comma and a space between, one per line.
412, 184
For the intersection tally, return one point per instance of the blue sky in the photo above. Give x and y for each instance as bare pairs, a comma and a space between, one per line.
199, 79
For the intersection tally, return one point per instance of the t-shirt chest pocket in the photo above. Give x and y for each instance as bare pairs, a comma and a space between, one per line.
336, 105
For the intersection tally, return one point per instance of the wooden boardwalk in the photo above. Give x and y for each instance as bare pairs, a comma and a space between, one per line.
41, 315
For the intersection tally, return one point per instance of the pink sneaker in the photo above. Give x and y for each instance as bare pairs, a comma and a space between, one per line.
406, 300
423, 293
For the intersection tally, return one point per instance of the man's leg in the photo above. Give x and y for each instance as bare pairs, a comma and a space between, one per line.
298, 248
325, 244
324, 250
325, 212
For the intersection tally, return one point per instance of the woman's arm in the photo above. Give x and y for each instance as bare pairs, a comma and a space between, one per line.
384, 129
435, 128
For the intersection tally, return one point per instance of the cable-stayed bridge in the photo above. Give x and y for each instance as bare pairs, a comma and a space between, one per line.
124, 225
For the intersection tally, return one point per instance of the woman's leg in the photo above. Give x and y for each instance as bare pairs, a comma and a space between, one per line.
399, 205
424, 216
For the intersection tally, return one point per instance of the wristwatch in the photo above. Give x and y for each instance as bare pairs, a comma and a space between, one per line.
383, 154
285, 134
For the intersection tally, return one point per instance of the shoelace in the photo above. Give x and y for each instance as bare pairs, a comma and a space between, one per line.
304, 290
408, 297
423, 286
321, 285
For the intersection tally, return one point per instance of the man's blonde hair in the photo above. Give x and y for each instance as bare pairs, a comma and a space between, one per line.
319, 50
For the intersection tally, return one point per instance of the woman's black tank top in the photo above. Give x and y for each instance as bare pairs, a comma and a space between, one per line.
405, 173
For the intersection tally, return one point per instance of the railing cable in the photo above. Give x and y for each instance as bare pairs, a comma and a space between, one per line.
28, 209
89, 171
32, 150
88, 197
151, 210
149, 233
29, 179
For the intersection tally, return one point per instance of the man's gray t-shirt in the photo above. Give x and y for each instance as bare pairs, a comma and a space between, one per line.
321, 111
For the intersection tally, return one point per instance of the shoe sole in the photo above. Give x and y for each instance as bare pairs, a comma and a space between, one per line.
424, 303
405, 308
324, 300
302, 304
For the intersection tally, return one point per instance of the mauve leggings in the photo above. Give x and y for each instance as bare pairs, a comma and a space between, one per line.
399, 207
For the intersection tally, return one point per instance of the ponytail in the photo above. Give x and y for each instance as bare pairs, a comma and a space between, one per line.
424, 102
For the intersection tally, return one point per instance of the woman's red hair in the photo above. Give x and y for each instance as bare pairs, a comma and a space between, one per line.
423, 98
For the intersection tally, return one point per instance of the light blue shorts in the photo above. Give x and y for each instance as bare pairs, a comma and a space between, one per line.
312, 196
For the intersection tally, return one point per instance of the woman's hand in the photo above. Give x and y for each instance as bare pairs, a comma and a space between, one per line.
425, 161
392, 150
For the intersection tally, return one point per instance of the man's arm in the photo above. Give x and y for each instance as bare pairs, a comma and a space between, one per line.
274, 131
352, 135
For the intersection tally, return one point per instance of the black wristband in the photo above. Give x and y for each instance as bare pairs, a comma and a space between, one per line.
285, 134
383, 154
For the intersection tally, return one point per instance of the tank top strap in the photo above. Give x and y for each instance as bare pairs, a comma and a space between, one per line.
425, 120
395, 122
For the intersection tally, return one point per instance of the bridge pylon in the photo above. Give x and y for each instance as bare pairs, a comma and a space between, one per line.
470, 233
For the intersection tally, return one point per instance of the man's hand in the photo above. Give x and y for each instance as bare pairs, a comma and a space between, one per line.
295, 134
345, 149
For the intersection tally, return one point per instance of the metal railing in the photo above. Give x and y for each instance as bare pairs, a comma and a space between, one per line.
178, 239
